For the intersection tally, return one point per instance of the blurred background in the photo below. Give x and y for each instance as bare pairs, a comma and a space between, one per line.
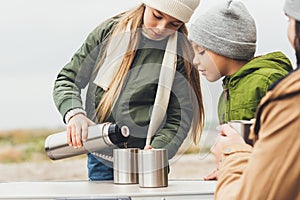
38, 37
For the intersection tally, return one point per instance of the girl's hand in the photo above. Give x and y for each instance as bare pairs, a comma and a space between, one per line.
77, 130
227, 136
147, 147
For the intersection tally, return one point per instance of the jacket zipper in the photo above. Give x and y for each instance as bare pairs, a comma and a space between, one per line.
227, 97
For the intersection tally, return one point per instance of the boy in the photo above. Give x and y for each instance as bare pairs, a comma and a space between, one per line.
224, 41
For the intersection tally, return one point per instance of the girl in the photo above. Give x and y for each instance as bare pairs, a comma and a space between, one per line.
137, 66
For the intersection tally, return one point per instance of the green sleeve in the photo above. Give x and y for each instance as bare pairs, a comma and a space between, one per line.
76, 74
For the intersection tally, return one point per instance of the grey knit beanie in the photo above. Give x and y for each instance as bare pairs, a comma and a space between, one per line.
292, 9
227, 29
179, 9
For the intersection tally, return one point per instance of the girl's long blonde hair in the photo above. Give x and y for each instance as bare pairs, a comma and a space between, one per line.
108, 99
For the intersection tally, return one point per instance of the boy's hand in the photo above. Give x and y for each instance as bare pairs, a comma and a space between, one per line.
227, 137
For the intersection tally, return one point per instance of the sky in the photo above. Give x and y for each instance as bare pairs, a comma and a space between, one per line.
38, 37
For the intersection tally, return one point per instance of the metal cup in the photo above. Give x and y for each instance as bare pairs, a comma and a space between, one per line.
242, 127
153, 168
125, 163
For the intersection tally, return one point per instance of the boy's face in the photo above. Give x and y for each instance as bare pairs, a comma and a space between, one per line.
207, 63
292, 31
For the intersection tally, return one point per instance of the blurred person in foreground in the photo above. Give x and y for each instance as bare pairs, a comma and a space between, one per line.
271, 168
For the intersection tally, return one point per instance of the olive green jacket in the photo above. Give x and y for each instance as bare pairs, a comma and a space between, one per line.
243, 90
134, 105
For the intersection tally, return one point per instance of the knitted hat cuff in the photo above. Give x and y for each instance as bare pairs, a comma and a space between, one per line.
222, 46
175, 8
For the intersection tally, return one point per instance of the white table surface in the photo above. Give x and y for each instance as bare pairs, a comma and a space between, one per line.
177, 189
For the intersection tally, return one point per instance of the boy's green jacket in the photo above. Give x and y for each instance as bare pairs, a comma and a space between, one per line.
134, 105
243, 90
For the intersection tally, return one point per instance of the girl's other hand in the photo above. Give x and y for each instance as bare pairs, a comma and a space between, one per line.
147, 147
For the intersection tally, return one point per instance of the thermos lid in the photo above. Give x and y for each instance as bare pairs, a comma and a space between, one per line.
118, 135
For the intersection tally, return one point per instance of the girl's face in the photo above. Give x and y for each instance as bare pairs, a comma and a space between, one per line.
208, 63
159, 25
291, 31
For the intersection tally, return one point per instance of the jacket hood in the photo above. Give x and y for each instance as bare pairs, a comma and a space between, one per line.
286, 88
275, 61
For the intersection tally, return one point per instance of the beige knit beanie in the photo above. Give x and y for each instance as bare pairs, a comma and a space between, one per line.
179, 9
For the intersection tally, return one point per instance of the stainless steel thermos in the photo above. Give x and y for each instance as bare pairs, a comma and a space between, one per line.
100, 136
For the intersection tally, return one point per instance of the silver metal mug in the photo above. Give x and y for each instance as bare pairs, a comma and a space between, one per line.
125, 162
153, 168
243, 128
